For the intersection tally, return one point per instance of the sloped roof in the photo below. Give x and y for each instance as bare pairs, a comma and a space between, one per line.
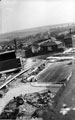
58, 42
49, 43
53, 38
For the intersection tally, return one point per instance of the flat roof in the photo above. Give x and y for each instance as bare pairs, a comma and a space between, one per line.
7, 52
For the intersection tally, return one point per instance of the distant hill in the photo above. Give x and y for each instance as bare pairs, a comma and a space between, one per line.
32, 31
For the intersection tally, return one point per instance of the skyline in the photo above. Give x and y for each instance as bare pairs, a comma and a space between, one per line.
19, 15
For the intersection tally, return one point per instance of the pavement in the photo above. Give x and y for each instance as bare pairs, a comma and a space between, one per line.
67, 99
68, 96
65, 109
54, 72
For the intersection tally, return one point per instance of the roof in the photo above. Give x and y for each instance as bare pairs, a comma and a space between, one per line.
58, 42
6, 52
53, 38
49, 43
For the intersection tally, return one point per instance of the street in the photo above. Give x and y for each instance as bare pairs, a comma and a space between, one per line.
68, 95
54, 72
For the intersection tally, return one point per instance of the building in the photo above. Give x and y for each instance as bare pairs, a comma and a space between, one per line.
9, 62
51, 46
44, 47
66, 38
68, 41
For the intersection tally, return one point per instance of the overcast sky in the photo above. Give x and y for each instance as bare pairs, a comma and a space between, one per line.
23, 14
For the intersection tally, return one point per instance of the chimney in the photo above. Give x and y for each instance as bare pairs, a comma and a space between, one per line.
70, 31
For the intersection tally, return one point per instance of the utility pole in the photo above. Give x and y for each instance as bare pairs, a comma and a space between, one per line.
71, 36
15, 44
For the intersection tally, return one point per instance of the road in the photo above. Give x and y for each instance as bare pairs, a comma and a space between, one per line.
67, 98
54, 72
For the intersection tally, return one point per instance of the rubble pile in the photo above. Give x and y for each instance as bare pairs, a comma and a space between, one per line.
25, 106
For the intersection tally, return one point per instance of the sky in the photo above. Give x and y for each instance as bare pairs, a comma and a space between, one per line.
23, 14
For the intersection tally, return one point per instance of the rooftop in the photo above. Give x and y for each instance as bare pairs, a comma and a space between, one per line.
49, 43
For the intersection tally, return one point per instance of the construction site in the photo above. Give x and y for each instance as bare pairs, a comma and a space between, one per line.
37, 87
